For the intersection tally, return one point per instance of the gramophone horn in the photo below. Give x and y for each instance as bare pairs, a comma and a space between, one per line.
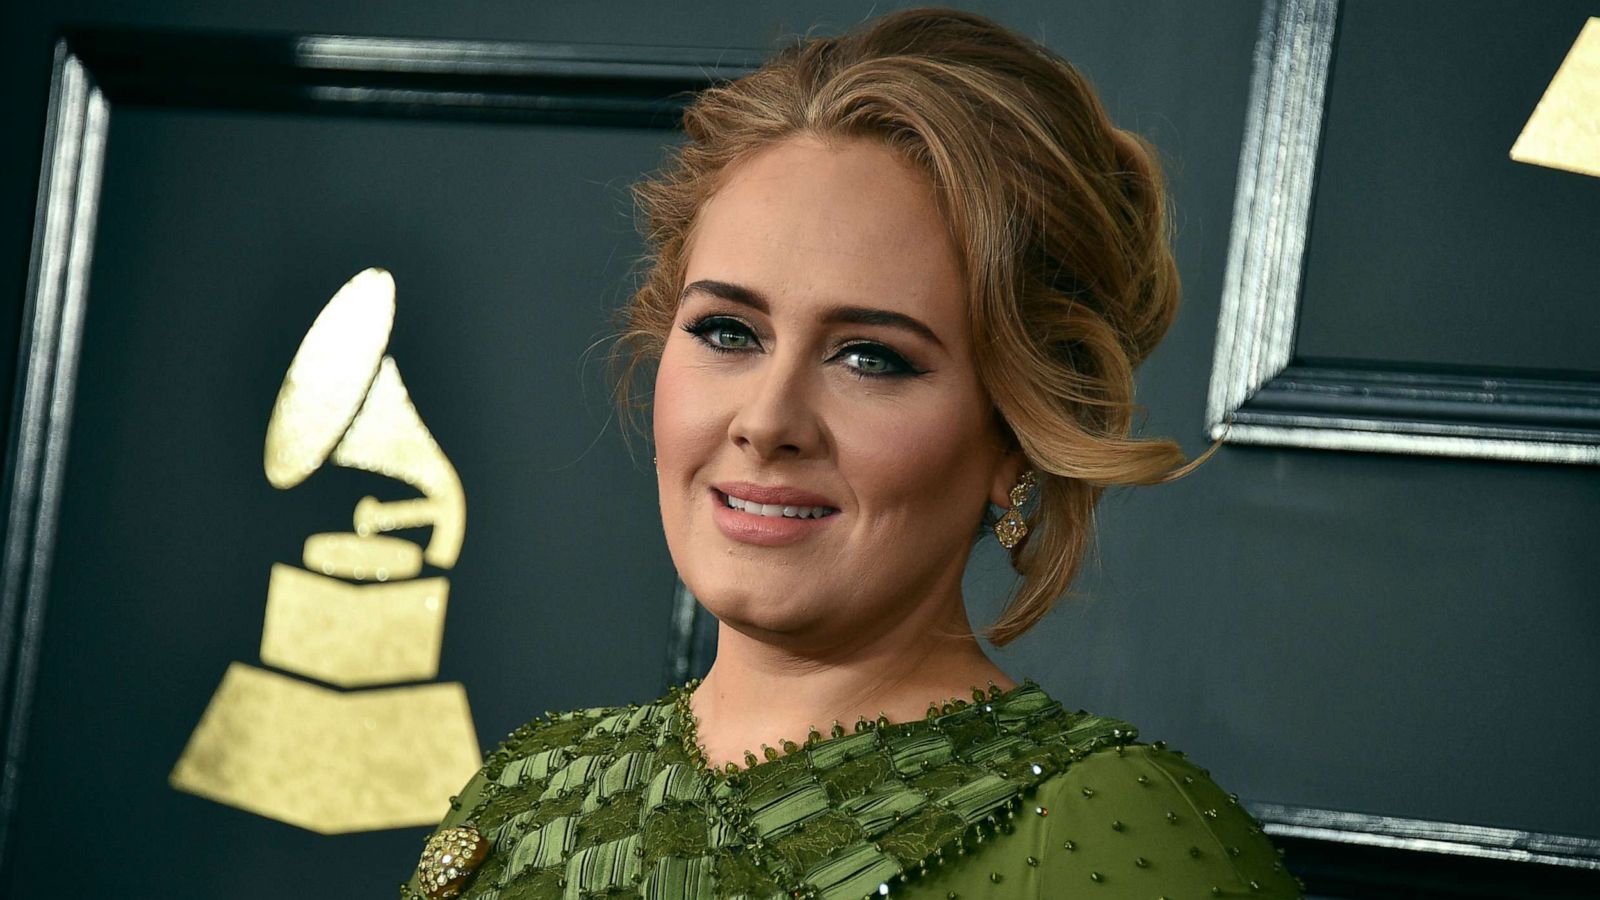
328, 380
343, 399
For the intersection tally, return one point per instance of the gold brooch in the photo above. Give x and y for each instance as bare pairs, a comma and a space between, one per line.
449, 859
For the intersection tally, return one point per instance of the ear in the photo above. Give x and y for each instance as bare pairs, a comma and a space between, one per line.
1007, 471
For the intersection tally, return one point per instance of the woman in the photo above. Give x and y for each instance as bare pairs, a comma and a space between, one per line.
898, 276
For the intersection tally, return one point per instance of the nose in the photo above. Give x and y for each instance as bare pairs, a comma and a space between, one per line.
776, 414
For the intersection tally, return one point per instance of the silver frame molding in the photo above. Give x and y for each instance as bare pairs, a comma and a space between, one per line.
1422, 835
692, 645
58, 272
1259, 394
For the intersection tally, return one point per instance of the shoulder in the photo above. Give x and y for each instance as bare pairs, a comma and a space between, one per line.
543, 746
580, 731
551, 750
1148, 820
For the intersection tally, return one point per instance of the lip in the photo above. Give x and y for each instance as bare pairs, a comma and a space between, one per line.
766, 531
776, 495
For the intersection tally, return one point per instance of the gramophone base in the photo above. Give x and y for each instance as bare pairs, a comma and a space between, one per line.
330, 761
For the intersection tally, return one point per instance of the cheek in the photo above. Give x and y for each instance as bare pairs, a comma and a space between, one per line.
686, 423
909, 460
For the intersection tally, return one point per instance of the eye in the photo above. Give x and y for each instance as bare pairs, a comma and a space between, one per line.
875, 361
722, 334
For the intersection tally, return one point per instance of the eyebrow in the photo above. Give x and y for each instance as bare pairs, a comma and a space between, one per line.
853, 315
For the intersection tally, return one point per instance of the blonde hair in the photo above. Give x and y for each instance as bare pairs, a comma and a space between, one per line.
1060, 218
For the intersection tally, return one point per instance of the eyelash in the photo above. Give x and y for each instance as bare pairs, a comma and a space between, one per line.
900, 367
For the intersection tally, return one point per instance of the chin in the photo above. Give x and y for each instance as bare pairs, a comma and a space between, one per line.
758, 612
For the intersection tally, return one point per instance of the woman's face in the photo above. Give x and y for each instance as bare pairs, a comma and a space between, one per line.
824, 446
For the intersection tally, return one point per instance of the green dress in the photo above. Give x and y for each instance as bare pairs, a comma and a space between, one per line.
1007, 795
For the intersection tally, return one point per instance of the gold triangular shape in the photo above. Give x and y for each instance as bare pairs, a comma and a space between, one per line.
1564, 130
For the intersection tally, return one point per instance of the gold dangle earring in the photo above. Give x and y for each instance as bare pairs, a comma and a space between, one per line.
1012, 528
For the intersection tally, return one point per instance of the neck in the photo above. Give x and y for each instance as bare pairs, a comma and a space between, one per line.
763, 691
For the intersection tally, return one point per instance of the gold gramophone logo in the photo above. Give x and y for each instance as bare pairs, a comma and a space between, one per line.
338, 759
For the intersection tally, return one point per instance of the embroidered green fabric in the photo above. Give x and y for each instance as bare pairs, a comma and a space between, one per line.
1008, 795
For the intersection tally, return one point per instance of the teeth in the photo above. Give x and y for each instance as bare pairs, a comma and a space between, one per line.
787, 512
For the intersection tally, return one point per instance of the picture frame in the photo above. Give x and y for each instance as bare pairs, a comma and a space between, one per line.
1262, 391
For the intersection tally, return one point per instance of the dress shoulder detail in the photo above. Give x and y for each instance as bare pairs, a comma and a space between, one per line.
1145, 821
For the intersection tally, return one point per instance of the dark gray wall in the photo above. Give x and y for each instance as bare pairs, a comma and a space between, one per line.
1392, 634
